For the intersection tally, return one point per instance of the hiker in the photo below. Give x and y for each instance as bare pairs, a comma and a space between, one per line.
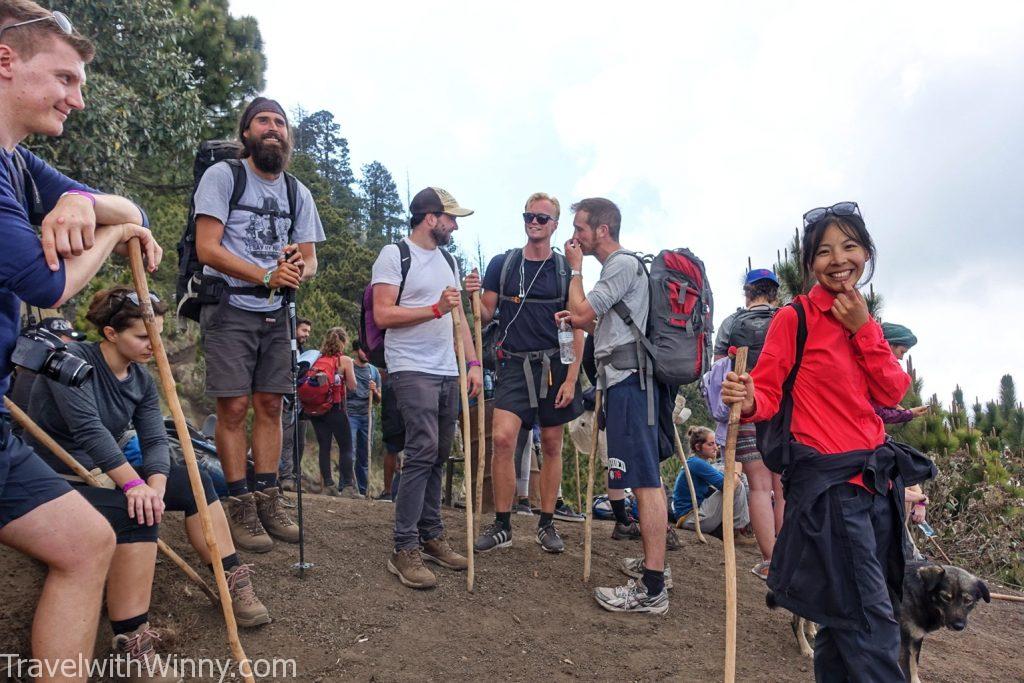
419, 349
748, 327
900, 340
335, 368
259, 254
633, 442
367, 383
42, 69
292, 419
839, 553
705, 478
88, 422
523, 289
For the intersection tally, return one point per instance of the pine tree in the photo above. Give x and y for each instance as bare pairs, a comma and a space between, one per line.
1007, 396
382, 214
319, 137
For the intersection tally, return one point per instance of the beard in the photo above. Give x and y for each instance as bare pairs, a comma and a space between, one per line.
441, 236
269, 158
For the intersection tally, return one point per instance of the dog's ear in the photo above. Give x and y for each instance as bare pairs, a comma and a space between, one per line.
981, 590
931, 576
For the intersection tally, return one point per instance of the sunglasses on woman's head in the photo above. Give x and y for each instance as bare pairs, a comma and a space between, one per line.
542, 218
59, 18
840, 209
121, 297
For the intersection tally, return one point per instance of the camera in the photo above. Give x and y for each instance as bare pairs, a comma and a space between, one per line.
44, 353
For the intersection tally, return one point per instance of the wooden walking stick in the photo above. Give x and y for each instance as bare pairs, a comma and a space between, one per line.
728, 542
171, 396
29, 425
369, 442
467, 469
481, 412
689, 483
589, 519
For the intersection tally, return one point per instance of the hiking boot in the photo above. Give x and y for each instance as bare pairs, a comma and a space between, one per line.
671, 539
633, 567
350, 492
288, 502
275, 520
549, 540
246, 528
629, 531
439, 551
523, 507
632, 597
407, 565
494, 536
143, 663
743, 537
332, 491
248, 609
565, 513
288, 485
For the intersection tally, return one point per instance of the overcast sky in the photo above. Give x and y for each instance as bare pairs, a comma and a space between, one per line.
713, 126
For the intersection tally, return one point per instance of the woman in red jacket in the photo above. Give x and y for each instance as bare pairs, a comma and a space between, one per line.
334, 423
839, 554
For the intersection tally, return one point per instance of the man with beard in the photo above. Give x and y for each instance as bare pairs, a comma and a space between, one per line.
256, 249
415, 287
526, 287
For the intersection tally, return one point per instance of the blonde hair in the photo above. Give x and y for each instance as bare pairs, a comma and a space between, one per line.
696, 436
30, 39
335, 342
542, 196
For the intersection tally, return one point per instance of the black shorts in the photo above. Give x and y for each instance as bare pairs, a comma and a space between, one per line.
392, 426
26, 481
511, 392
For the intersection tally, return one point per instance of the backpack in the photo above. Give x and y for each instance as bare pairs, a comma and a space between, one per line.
317, 389
773, 435
749, 328
370, 334
193, 289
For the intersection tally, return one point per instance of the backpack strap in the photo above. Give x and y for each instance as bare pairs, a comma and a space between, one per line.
292, 189
25, 185
641, 355
506, 267
240, 181
404, 260
787, 386
562, 268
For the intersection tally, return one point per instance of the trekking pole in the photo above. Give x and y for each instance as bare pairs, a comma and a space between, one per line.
171, 396
589, 518
288, 295
689, 483
728, 542
369, 442
42, 437
481, 412
467, 469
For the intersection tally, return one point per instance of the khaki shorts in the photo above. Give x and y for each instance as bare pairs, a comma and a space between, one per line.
246, 351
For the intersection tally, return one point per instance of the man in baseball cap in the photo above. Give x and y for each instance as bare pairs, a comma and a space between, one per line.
62, 328
435, 200
759, 274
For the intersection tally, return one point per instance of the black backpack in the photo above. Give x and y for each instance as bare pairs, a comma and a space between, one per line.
749, 328
193, 289
774, 435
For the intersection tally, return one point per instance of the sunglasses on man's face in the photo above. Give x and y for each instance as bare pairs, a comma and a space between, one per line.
541, 218
59, 18
840, 209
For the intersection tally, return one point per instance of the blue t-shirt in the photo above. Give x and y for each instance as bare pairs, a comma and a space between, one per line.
534, 327
705, 477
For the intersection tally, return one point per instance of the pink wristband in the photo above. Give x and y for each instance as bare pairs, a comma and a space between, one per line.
129, 485
89, 195
473, 364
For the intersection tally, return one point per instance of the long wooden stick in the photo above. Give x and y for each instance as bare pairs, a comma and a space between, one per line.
467, 469
1004, 596
42, 437
728, 542
689, 482
195, 479
481, 412
589, 512
369, 443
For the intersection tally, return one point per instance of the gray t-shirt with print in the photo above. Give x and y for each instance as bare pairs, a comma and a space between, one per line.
622, 279
253, 237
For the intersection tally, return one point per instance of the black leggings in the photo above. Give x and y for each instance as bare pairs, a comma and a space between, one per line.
334, 424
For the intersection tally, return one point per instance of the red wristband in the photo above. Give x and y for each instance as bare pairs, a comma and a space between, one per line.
436, 310
128, 485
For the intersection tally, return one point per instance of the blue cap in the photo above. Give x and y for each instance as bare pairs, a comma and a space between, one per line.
760, 274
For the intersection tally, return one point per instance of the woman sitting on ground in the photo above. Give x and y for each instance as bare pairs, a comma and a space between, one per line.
708, 483
338, 370
88, 421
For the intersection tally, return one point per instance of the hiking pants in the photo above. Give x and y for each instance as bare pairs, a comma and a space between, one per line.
334, 425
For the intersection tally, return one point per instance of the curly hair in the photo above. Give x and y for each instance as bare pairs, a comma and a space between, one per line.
335, 342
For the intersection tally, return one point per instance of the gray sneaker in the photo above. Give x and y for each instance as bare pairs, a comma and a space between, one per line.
522, 508
633, 567
549, 540
494, 536
632, 597
565, 513
629, 531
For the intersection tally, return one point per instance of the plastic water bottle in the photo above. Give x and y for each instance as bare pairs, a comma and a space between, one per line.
566, 343
488, 385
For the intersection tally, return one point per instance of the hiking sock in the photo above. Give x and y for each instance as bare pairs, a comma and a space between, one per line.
238, 488
129, 625
619, 508
504, 519
559, 503
231, 561
654, 581
266, 481
545, 519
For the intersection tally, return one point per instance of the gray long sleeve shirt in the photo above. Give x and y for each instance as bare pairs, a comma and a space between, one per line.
88, 420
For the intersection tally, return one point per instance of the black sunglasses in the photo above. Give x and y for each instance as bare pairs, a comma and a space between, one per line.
59, 18
840, 209
122, 297
541, 218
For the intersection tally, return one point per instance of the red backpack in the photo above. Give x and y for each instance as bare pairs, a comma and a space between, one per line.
319, 390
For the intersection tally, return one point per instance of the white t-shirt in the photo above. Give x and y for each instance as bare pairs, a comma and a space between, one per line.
429, 346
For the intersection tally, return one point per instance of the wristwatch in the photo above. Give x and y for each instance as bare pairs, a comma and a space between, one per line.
575, 273
266, 277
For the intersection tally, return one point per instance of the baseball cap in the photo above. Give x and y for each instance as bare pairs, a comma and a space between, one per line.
60, 327
760, 274
436, 200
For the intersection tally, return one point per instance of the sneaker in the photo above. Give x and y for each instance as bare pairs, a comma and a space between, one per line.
494, 536
275, 520
139, 646
629, 531
407, 565
632, 597
248, 609
671, 539
760, 570
246, 528
384, 496
744, 537
523, 507
549, 540
633, 567
565, 513
439, 551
